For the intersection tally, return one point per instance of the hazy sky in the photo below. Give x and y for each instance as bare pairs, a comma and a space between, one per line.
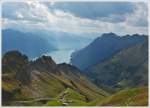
78, 18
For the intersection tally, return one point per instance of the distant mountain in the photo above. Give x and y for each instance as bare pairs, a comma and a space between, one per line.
103, 48
31, 44
42, 82
126, 69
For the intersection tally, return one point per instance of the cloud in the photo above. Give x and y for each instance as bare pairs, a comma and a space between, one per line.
35, 16
139, 17
94, 10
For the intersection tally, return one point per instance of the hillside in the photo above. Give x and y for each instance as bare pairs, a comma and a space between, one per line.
128, 68
129, 97
42, 82
103, 48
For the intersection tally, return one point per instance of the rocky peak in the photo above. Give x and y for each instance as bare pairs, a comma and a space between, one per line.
40, 65
67, 67
14, 57
13, 62
44, 63
45, 59
109, 35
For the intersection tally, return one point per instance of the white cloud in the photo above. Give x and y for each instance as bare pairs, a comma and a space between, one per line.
139, 16
19, 15
37, 16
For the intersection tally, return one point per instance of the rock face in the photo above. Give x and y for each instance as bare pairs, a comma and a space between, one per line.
103, 48
128, 68
42, 80
13, 62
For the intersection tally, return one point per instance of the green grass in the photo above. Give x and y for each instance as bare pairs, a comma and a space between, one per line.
77, 103
71, 94
10, 85
47, 85
54, 103
72, 103
94, 102
130, 97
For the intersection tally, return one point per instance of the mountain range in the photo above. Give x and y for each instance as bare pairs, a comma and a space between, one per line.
103, 48
28, 43
110, 71
34, 44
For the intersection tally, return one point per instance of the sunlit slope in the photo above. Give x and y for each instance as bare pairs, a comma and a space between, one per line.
129, 97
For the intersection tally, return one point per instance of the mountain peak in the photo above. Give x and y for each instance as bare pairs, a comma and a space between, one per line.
13, 52
66, 67
14, 57
102, 48
45, 63
45, 59
109, 35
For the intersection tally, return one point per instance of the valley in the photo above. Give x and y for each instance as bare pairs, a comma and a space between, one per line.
120, 79
74, 53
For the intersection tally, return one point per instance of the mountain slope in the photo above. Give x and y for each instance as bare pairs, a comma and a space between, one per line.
129, 97
102, 48
40, 82
128, 68
80, 81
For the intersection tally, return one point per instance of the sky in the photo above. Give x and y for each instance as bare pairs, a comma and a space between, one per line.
78, 18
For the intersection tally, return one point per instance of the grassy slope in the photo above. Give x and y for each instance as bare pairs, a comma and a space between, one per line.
70, 97
130, 97
44, 85
81, 83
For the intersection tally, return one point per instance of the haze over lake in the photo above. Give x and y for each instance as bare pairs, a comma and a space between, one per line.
61, 56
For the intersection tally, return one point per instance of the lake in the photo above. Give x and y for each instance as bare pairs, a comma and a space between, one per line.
60, 56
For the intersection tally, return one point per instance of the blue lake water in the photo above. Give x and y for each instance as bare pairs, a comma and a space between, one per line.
60, 56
